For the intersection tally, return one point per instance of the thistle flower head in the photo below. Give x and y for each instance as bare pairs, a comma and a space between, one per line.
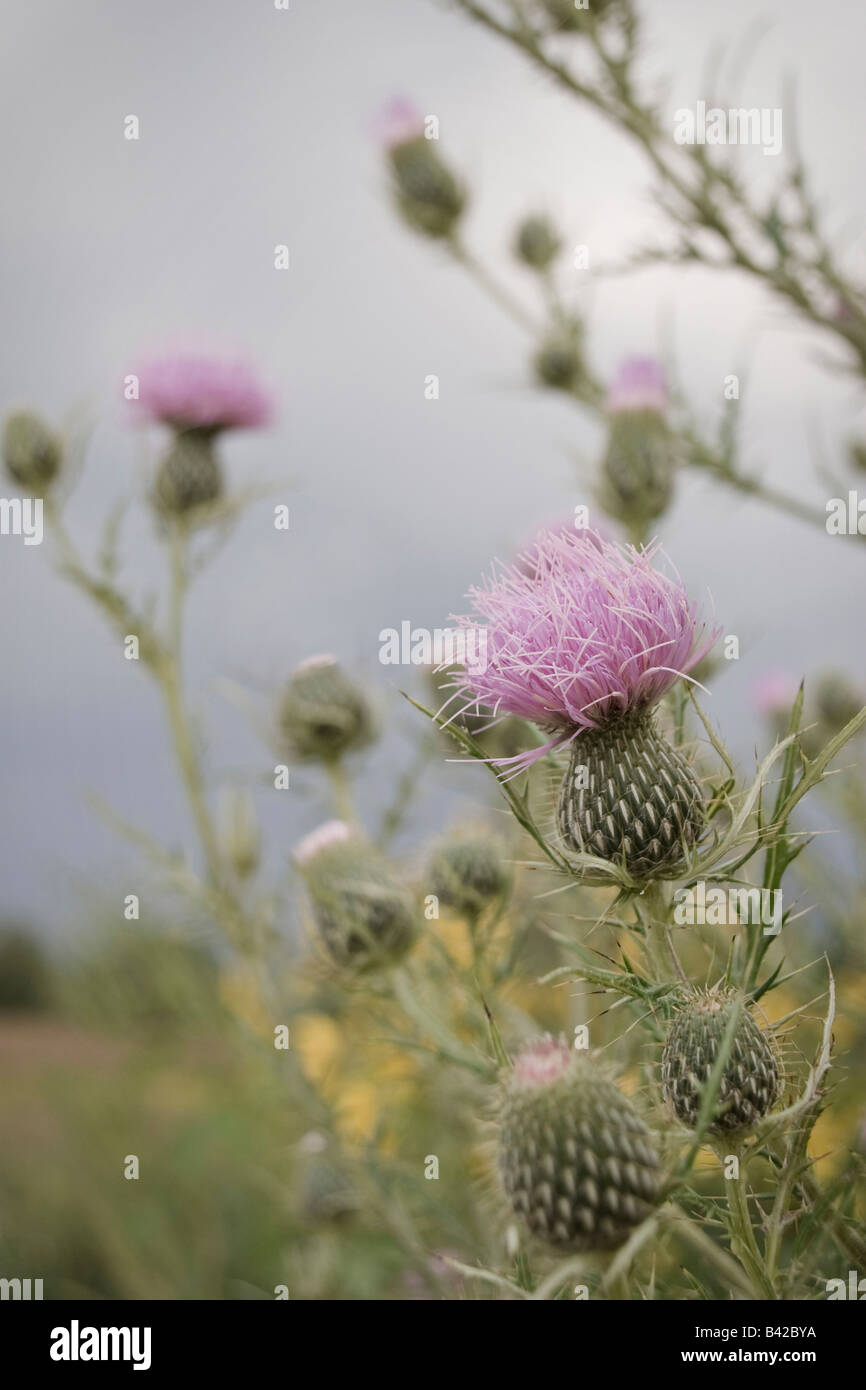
588, 634
332, 832
398, 122
323, 713
201, 393
639, 384
774, 692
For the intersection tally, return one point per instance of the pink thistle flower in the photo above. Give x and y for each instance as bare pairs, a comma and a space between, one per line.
541, 1062
202, 393
333, 832
398, 122
774, 692
640, 384
592, 633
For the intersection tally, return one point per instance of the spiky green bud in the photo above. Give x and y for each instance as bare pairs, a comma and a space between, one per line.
323, 713
32, 453
638, 471
558, 363
537, 243
837, 700
751, 1077
428, 195
468, 873
577, 1161
189, 475
365, 918
630, 798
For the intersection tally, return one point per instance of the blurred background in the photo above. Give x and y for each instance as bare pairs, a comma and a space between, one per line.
258, 127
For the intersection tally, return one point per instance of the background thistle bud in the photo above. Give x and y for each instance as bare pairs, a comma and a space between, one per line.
241, 841
467, 873
189, 475
577, 1161
537, 243
630, 798
428, 195
559, 361
323, 713
364, 916
32, 453
837, 700
639, 466
752, 1075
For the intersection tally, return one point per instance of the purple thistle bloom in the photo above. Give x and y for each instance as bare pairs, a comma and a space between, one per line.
583, 635
202, 393
398, 122
639, 384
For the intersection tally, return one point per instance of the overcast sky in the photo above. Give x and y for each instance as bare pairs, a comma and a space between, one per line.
256, 128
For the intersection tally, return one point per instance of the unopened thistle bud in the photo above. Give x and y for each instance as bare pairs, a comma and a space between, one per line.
468, 873
428, 195
365, 918
585, 642
32, 453
837, 700
751, 1077
639, 466
189, 475
537, 243
558, 363
577, 1161
323, 713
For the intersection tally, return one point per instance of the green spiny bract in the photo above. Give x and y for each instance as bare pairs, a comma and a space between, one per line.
630, 798
577, 1161
323, 714
189, 475
364, 916
751, 1077
32, 453
639, 467
428, 194
468, 873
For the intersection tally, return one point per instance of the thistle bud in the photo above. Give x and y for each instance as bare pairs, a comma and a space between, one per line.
241, 842
427, 193
468, 873
837, 700
365, 918
32, 453
639, 465
631, 798
558, 363
751, 1077
577, 1161
189, 475
537, 243
323, 714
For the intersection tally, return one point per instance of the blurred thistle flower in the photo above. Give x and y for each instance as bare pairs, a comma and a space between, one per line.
428, 195
558, 363
323, 714
364, 916
751, 1077
537, 243
577, 1162
32, 452
585, 648
240, 838
639, 465
468, 872
774, 692
575, 15
198, 398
